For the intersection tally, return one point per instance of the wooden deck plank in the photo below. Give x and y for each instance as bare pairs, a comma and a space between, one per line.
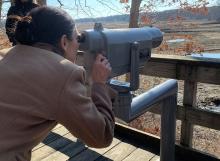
128, 150
56, 133
118, 153
140, 155
91, 154
66, 152
56, 127
45, 151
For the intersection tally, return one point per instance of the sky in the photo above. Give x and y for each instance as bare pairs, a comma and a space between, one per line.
102, 8
99, 8
91, 8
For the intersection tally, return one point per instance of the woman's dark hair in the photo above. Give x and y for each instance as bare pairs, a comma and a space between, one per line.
44, 25
18, 2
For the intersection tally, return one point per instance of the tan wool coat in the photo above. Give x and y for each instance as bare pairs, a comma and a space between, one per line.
39, 89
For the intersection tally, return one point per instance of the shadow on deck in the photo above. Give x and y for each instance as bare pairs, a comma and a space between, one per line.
128, 145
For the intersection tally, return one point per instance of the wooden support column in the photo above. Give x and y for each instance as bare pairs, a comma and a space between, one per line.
189, 101
168, 129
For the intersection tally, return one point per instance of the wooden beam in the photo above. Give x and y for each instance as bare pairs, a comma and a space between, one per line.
177, 71
194, 115
204, 118
175, 67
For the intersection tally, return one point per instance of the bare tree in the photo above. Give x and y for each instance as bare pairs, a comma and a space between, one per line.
0, 9
134, 13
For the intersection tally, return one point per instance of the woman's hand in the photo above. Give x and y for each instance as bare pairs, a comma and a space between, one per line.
101, 69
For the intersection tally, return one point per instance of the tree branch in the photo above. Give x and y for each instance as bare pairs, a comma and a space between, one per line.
61, 4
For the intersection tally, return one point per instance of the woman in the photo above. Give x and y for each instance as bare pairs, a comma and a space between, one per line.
20, 8
40, 87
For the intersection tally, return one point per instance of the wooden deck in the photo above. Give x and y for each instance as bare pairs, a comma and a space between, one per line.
128, 145
60, 145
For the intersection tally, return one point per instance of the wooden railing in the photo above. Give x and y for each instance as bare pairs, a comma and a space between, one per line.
192, 71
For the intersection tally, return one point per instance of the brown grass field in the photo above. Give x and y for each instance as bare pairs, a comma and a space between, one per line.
205, 36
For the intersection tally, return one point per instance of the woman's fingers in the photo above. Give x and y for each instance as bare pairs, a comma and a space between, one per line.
101, 69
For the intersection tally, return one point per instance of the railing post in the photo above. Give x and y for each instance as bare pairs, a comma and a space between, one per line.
189, 101
165, 94
168, 129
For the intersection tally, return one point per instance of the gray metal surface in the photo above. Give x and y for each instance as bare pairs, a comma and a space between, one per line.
141, 103
116, 44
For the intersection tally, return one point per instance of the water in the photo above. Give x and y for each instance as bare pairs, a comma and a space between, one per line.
213, 108
207, 55
176, 41
216, 109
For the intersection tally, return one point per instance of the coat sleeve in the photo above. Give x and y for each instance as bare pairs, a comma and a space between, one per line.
88, 118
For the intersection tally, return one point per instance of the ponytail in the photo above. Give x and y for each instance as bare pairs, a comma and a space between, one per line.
24, 31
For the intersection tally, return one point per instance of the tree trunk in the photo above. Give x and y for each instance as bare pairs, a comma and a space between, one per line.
134, 13
42, 2
133, 21
0, 9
